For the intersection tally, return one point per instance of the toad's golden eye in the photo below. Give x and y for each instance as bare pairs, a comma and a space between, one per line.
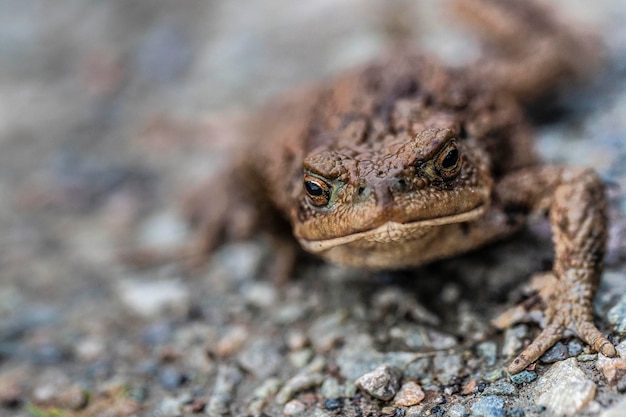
317, 191
448, 161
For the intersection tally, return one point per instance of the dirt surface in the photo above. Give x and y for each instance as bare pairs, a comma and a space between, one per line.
110, 112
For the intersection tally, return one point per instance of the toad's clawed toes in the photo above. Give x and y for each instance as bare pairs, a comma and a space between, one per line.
561, 324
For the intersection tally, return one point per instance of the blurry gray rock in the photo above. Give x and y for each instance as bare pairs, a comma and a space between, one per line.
488, 406
556, 353
358, 357
513, 340
228, 378
149, 298
565, 389
447, 367
296, 384
617, 315
262, 357
500, 388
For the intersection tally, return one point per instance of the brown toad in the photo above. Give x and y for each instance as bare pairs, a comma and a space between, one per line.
403, 162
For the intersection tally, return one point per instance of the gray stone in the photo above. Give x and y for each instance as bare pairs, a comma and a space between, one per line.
575, 347
222, 397
523, 377
262, 357
456, 410
358, 357
418, 369
489, 351
556, 353
617, 315
565, 389
447, 367
500, 388
382, 383
296, 384
331, 388
148, 298
488, 406
495, 375
513, 340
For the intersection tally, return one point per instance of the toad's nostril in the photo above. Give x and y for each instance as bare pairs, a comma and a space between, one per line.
398, 185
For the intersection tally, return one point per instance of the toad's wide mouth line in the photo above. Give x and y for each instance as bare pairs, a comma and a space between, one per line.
388, 228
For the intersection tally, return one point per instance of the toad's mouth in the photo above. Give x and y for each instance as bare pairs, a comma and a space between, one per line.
392, 231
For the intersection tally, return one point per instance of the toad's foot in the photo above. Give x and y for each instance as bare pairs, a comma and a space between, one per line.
564, 315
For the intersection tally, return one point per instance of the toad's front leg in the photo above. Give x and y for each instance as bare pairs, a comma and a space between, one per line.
576, 204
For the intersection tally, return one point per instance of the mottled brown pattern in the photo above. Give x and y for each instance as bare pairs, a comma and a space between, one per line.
404, 161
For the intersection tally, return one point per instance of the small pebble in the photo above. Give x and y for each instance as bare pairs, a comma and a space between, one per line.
332, 389
489, 406
418, 369
575, 347
382, 383
613, 369
513, 340
556, 353
447, 367
320, 413
260, 294
148, 298
617, 315
489, 351
564, 389
170, 378
262, 357
294, 408
410, 394
157, 333
587, 357
300, 358
296, 339
523, 377
231, 342
457, 410
333, 404
500, 388
296, 384
437, 411
228, 378
495, 375
327, 331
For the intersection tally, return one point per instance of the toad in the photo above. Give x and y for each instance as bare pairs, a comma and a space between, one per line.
403, 161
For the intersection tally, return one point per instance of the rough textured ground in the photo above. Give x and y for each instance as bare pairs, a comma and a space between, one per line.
110, 111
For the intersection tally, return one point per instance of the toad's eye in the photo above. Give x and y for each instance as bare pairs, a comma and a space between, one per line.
449, 160
317, 190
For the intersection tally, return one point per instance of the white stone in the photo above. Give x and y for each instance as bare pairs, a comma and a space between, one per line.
565, 389
148, 298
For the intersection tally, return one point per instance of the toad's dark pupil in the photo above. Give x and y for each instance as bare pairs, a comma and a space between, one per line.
451, 159
313, 189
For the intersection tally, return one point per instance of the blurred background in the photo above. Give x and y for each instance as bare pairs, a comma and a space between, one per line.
110, 110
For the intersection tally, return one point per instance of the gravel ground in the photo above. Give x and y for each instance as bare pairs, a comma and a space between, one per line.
111, 111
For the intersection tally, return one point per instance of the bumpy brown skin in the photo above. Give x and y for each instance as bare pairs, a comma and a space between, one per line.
403, 162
